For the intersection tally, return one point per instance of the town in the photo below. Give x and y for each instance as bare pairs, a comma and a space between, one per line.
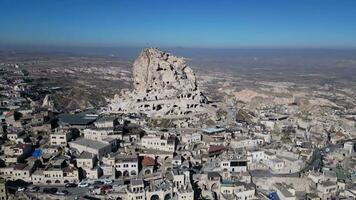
164, 139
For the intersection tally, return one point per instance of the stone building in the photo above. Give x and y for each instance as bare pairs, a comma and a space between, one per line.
3, 192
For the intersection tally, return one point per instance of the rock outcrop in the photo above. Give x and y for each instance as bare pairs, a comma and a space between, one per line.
49, 103
154, 69
158, 75
164, 87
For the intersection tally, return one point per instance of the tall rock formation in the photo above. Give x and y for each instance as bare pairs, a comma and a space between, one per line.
154, 69
164, 87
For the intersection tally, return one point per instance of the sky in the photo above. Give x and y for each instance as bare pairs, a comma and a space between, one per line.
180, 23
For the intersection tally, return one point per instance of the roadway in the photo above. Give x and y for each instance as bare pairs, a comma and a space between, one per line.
314, 164
74, 192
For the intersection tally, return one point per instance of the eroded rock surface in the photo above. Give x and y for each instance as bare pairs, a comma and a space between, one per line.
154, 69
164, 87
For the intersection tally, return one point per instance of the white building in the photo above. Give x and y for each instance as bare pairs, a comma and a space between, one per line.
276, 164
246, 143
349, 147
236, 190
13, 134
191, 138
185, 192
60, 138
96, 133
125, 165
327, 189
157, 142
86, 160
256, 155
234, 165
266, 137
98, 148
135, 190
284, 191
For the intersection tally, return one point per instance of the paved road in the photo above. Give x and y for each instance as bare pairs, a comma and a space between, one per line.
267, 173
315, 164
73, 192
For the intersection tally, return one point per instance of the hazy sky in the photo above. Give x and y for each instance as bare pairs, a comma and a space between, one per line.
182, 23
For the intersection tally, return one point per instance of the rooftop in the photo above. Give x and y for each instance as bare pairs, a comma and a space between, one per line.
283, 189
212, 130
90, 143
327, 183
85, 155
135, 182
78, 119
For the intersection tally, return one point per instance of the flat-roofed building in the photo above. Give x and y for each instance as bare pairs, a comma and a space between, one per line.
234, 165
56, 176
158, 142
98, 133
125, 165
106, 121
18, 171
78, 120
98, 148
14, 133
191, 138
60, 138
86, 160
285, 191
327, 189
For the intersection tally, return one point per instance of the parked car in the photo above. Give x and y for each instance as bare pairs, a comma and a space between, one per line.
83, 184
50, 190
70, 185
108, 181
62, 193
34, 189
98, 183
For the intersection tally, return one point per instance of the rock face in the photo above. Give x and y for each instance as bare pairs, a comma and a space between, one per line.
154, 69
158, 75
48, 103
164, 87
